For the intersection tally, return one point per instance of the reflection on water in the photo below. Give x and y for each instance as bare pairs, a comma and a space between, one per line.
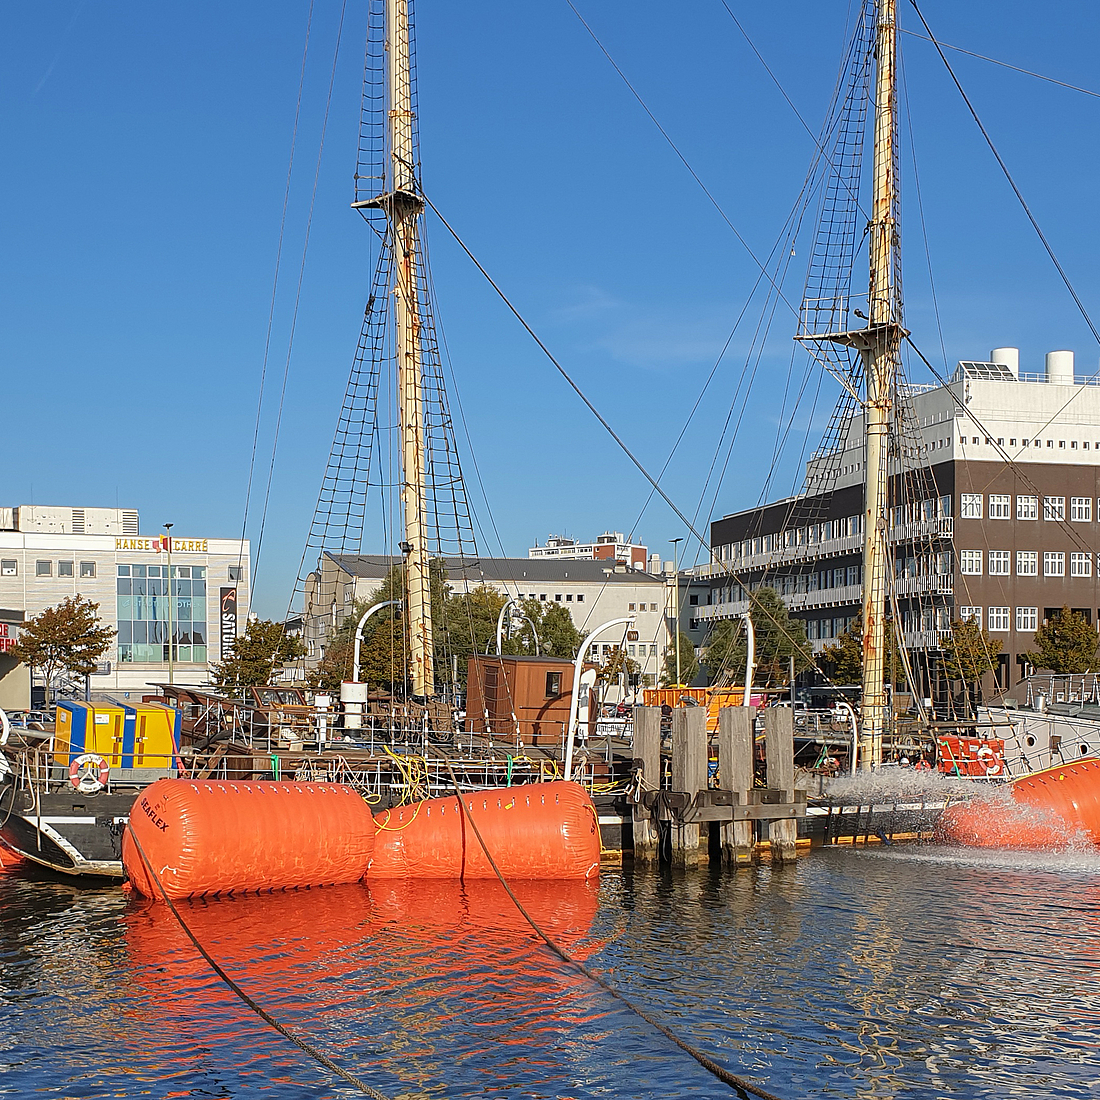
905, 972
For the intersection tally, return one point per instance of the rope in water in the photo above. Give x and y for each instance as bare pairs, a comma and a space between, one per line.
742, 1087
308, 1048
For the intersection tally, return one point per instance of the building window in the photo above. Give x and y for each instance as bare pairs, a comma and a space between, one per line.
1027, 563
9, 567
580, 598
142, 609
235, 573
1027, 618
1080, 565
1054, 563
693, 599
553, 685
1027, 507
968, 613
557, 597
1054, 507
569, 597
542, 596
65, 569
970, 562
1080, 509
43, 568
652, 607
970, 506
87, 568
349, 593
1000, 563
998, 618
1000, 505
630, 607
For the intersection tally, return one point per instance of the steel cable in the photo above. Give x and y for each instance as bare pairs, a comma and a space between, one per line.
312, 1051
742, 1087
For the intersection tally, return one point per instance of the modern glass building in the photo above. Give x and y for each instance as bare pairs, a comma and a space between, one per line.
47, 554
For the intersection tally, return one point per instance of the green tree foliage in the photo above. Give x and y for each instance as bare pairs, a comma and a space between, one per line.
256, 654
689, 663
617, 664
557, 634
969, 653
843, 658
463, 623
64, 638
1065, 643
778, 638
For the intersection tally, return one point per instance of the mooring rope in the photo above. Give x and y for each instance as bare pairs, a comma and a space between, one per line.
312, 1051
742, 1087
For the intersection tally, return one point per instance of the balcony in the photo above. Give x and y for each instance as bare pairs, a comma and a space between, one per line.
938, 584
926, 639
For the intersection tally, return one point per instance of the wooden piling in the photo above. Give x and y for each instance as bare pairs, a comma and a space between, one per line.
779, 730
735, 767
647, 749
689, 774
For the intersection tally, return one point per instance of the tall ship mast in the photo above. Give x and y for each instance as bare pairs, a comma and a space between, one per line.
879, 345
403, 206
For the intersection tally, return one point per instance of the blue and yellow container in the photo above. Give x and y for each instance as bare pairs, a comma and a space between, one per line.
140, 743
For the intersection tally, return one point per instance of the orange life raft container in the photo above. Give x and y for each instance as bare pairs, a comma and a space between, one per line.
208, 837
1049, 810
538, 831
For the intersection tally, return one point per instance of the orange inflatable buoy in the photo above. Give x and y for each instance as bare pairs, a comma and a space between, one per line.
207, 837
538, 831
1048, 810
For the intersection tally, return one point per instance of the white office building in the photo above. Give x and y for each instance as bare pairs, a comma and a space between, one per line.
50, 553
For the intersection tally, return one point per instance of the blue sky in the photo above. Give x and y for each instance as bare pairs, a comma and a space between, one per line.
146, 156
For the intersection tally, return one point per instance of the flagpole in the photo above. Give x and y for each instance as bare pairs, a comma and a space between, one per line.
171, 602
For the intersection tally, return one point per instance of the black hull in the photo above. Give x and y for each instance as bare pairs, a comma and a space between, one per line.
72, 834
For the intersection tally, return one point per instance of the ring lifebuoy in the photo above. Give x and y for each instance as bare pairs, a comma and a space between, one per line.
89, 773
988, 760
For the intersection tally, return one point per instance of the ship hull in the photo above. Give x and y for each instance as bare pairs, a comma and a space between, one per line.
69, 833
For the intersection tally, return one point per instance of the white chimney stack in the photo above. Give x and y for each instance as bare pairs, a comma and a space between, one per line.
1007, 357
1060, 368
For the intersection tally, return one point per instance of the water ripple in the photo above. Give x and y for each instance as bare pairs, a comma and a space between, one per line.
900, 973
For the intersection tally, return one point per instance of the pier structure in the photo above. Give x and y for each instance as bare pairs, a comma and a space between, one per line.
671, 802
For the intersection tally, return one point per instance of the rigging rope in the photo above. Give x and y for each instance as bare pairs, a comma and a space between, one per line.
1003, 64
742, 1087
595, 412
317, 1055
1008, 176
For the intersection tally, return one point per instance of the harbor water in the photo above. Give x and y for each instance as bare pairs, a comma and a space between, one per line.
886, 972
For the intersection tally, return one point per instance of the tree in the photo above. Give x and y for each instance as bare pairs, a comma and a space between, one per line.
689, 663
558, 636
969, 653
1065, 643
65, 638
778, 638
255, 653
844, 657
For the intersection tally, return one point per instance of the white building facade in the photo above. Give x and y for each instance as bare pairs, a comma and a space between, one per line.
50, 553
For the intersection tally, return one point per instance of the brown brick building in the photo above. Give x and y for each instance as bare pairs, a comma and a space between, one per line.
995, 493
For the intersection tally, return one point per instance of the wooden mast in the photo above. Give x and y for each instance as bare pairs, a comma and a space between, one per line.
880, 350
403, 206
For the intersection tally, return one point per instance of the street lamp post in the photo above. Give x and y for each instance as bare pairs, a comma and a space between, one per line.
676, 603
171, 648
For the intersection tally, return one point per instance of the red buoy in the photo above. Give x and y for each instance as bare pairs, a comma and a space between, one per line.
1047, 810
537, 831
208, 837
